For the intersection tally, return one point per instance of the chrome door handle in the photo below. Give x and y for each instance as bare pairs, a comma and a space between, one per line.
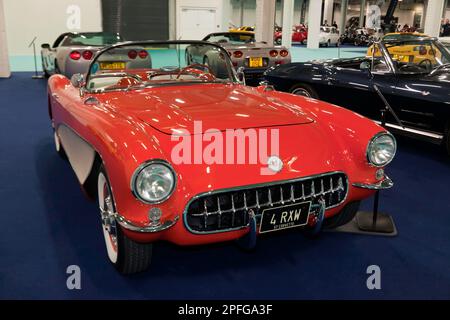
54, 95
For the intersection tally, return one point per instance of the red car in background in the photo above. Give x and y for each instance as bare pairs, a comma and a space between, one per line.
299, 34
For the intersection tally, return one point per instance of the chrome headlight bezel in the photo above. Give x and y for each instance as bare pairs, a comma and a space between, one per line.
371, 144
140, 169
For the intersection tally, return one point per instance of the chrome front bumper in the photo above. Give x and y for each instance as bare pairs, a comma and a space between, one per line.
386, 183
145, 229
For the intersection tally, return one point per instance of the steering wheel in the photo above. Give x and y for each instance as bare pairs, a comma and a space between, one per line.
182, 70
426, 63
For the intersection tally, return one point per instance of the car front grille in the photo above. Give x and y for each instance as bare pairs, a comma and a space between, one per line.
226, 210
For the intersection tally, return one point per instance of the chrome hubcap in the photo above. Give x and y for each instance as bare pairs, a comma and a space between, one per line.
108, 217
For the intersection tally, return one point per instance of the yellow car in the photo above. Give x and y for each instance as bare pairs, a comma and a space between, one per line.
414, 53
243, 29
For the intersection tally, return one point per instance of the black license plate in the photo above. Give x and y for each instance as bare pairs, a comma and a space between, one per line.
285, 217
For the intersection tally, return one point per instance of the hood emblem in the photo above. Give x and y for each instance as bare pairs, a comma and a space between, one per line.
274, 163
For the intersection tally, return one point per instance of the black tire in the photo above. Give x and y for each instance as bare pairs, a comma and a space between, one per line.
302, 42
278, 41
128, 256
46, 74
304, 90
328, 43
343, 217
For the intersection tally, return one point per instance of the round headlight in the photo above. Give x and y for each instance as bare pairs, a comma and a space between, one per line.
381, 149
153, 182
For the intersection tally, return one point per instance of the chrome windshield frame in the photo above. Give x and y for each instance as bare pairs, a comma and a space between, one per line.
230, 69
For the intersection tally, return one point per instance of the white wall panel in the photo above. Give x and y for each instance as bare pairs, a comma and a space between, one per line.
46, 19
4, 63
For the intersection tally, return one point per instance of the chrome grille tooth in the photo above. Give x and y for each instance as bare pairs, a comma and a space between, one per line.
257, 200
322, 188
219, 221
269, 195
313, 189
331, 184
233, 211
281, 195
340, 184
303, 192
245, 202
292, 193
205, 219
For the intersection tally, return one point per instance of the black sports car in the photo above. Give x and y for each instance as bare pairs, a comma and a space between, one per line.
412, 74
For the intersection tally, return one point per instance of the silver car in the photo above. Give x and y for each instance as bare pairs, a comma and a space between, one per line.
254, 57
72, 53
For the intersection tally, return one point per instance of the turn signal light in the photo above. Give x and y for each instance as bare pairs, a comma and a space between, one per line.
75, 55
273, 53
284, 53
87, 55
143, 54
238, 54
132, 54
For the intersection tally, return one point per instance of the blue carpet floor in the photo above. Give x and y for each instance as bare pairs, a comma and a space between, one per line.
47, 225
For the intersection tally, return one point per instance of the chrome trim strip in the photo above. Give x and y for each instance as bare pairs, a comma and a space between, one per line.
415, 131
387, 183
259, 185
145, 229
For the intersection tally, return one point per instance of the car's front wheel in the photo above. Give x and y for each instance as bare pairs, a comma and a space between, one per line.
126, 255
304, 90
46, 74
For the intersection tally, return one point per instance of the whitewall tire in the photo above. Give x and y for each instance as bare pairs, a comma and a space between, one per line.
127, 255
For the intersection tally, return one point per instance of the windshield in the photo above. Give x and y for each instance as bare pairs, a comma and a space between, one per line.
136, 65
231, 38
91, 39
417, 56
402, 36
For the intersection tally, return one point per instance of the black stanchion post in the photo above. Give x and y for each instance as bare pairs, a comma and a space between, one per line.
36, 75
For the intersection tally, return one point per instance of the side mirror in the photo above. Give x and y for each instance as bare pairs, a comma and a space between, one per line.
366, 67
45, 46
266, 86
240, 75
77, 80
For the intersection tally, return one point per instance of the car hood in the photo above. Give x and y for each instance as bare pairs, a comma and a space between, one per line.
217, 106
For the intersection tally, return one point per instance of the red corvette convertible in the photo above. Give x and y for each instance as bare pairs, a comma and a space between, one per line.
190, 155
